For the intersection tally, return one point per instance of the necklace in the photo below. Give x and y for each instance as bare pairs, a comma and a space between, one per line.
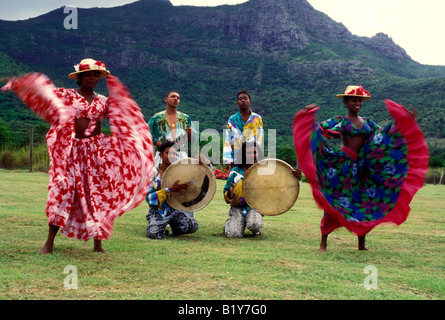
171, 121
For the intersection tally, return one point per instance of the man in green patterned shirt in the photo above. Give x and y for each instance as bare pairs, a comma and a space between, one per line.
172, 125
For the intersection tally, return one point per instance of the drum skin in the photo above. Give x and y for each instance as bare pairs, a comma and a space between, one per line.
202, 184
270, 187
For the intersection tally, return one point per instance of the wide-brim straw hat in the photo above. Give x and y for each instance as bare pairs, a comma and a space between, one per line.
89, 65
355, 91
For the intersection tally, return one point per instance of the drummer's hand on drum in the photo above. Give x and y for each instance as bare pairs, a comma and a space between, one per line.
230, 194
297, 173
204, 160
179, 187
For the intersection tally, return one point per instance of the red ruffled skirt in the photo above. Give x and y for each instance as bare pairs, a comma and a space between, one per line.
92, 181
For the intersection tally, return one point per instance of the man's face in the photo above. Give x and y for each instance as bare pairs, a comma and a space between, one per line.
243, 101
173, 99
169, 155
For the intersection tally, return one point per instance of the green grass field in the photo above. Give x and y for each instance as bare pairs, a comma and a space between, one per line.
281, 264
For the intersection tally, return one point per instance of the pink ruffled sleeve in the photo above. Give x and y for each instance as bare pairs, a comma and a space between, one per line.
39, 94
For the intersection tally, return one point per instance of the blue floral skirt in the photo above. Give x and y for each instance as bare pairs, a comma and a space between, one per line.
360, 191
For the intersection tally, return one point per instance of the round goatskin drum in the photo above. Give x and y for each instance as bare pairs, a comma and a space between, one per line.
270, 187
202, 184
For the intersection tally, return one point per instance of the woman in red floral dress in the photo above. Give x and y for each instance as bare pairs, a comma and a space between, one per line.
93, 178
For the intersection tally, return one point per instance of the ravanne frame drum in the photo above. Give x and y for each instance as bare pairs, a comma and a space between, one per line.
202, 184
270, 187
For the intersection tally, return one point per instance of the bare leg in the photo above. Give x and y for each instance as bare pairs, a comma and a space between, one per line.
98, 246
48, 246
324, 243
361, 243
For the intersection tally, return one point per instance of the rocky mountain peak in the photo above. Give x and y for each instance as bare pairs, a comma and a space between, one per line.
382, 43
270, 25
266, 26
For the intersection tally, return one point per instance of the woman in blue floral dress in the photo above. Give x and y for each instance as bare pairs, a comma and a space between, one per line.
373, 177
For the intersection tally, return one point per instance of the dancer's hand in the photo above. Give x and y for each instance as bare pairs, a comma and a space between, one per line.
311, 106
413, 112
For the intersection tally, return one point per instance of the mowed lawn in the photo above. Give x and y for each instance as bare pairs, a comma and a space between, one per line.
406, 262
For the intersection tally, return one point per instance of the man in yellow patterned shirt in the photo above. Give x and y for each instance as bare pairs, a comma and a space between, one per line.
245, 125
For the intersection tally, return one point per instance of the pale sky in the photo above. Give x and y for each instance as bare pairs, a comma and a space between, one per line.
415, 25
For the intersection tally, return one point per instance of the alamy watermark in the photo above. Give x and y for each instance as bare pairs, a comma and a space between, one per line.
371, 281
70, 281
211, 150
72, 20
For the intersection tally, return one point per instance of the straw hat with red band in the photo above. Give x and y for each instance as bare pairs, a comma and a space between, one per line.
355, 91
89, 65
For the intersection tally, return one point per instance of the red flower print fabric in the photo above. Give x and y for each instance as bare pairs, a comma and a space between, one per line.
92, 181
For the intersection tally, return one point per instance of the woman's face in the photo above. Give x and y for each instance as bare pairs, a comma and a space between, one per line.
89, 79
354, 104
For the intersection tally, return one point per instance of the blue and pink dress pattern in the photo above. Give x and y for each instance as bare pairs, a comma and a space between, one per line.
360, 191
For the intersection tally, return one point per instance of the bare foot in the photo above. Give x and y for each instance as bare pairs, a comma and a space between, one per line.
361, 243
47, 249
48, 246
98, 246
323, 243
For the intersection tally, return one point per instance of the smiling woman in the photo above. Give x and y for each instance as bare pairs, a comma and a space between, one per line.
373, 177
